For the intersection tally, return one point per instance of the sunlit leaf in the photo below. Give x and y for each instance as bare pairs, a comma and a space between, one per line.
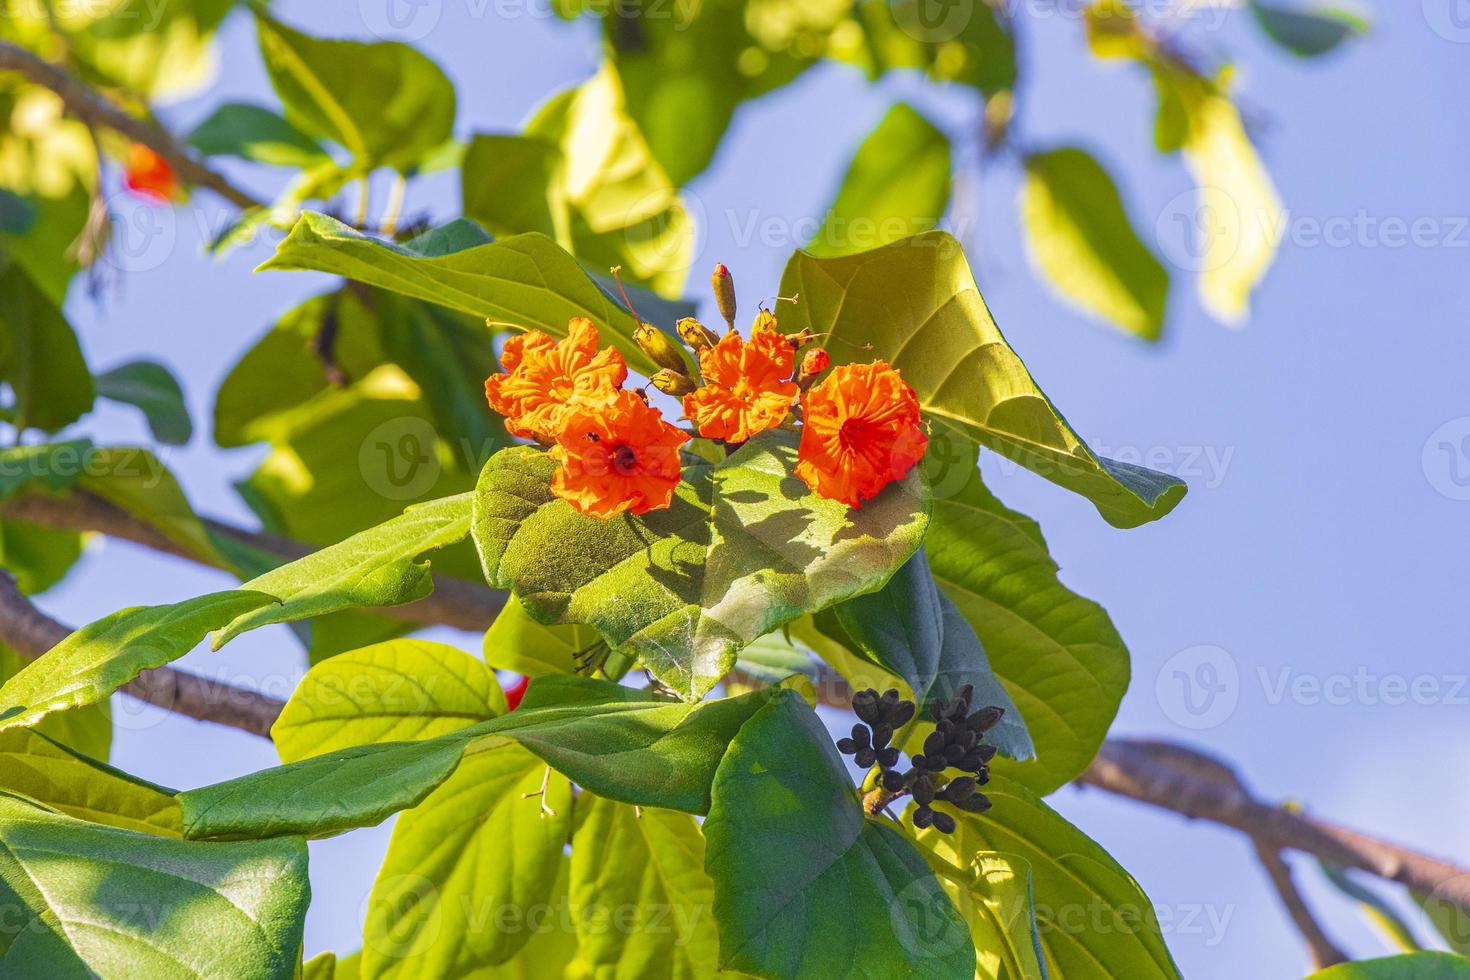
87, 730
1411, 966
56, 775
254, 132
517, 642
40, 359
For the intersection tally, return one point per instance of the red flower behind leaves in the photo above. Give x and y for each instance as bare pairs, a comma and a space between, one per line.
149, 176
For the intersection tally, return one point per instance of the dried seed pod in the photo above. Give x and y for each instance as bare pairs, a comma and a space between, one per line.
978, 803
865, 758
923, 817
861, 736
923, 789
888, 758
985, 719
934, 744
695, 334
659, 348
959, 788
865, 706
953, 754
846, 746
724, 286
901, 714
882, 735
893, 781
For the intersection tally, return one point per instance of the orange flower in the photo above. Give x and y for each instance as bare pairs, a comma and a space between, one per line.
747, 387
860, 432
615, 457
148, 175
544, 378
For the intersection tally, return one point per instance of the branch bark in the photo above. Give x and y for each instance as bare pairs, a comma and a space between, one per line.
96, 109
1324, 951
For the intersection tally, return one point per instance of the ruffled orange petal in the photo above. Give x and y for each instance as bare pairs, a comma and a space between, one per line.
616, 457
861, 430
543, 377
747, 386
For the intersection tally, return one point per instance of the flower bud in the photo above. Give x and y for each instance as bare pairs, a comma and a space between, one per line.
764, 320
657, 345
695, 334
724, 287
813, 364
674, 383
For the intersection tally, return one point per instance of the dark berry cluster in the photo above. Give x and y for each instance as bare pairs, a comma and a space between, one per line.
955, 743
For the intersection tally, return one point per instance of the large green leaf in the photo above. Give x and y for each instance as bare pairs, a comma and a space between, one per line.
37, 555
1056, 652
897, 185
916, 303
86, 730
65, 780
149, 387
1118, 936
39, 356
398, 691
481, 844
137, 482
99, 658
254, 132
385, 103
377, 567
805, 884
964, 43
1081, 239
617, 742
744, 547
1413, 966
583, 173
525, 281
102, 901
1308, 31
643, 871
999, 907
914, 630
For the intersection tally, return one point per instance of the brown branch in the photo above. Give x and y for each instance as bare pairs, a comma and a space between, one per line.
31, 633
95, 109
1323, 950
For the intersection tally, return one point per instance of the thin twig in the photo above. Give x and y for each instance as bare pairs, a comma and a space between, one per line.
1323, 950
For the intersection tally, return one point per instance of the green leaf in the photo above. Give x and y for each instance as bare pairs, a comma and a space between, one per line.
914, 630
965, 44
1000, 909
774, 658
102, 901
86, 730
99, 658
385, 103
525, 281
942, 338
645, 868
253, 132
1056, 652
135, 481
66, 780
1308, 32
897, 185
1374, 906
583, 174
38, 556
744, 547
327, 966
517, 642
54, 466
1448, 918
614, 741
1412, 966
1118, 937
377, 567
1237, 220
805, 884
39, 356
398, 691
479, 845
1081, 240
149, 387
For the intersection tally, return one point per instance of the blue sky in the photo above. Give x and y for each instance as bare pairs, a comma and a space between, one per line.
1311, 580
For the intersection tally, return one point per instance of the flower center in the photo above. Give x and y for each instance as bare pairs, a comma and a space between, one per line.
624, 459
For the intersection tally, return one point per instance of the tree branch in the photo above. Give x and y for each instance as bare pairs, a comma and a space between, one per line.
31, 633
1324, 951
95, 109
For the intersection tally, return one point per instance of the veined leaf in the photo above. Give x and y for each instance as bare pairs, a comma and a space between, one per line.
51, 773
897, 185
149, 387
99, 658
614, 741
914, 630
1082, 241
916, 302
85, 730
385, 103
1119, 936
102, 901
1309, 31
647, 869
398, 691
805, 884
999, 907
1056, 652
524, 282
517, 642
1411, 966
743, 548
483, 842
377, 567
254, 132
39, 356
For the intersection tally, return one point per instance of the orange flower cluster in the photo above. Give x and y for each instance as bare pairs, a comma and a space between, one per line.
861, 426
